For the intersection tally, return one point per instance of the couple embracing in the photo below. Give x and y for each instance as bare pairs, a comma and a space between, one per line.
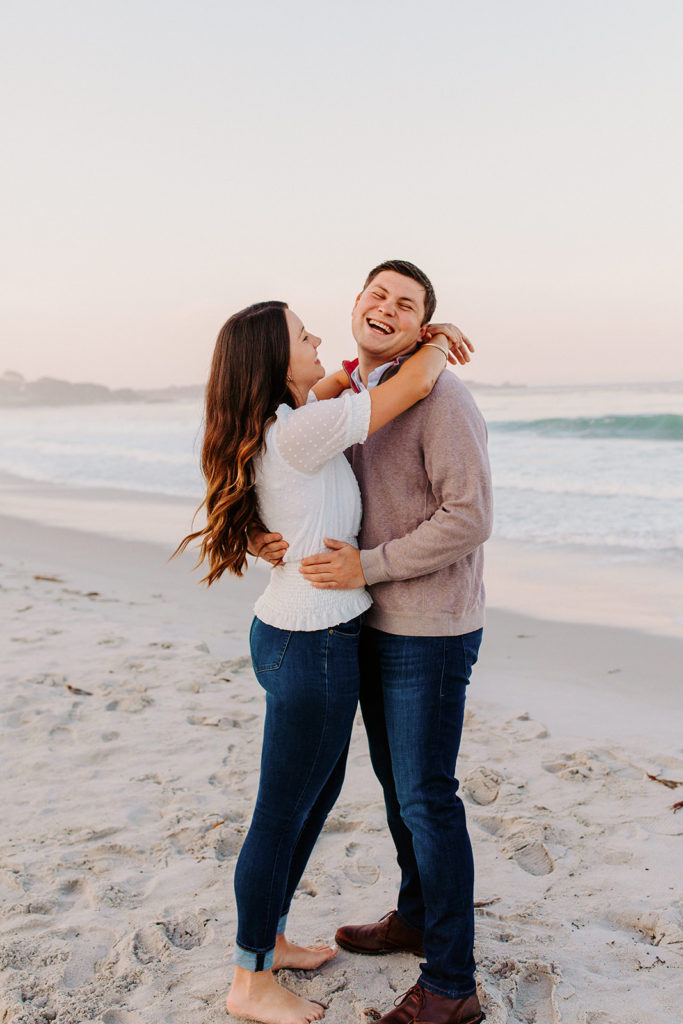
388, 610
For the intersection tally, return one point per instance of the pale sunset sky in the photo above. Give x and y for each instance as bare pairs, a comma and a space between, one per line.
166, 163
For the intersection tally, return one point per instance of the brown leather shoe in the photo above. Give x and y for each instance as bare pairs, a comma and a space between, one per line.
418, 1006
389, 935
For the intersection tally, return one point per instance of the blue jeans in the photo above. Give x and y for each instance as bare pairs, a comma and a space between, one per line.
311, 681
413, 701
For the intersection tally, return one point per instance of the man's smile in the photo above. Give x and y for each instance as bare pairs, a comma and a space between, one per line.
379, 325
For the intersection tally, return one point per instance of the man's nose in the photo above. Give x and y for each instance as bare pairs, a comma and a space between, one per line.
386, 306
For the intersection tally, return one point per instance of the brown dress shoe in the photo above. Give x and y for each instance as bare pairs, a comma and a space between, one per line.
389, 935
418, 1006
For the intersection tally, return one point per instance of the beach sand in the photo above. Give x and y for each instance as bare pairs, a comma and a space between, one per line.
130, 725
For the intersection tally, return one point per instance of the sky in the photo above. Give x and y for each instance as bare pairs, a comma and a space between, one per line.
169, 163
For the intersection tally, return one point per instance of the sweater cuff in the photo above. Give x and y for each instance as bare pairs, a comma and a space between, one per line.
371, 564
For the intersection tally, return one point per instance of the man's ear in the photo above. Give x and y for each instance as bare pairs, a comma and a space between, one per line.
357, 298
423, 331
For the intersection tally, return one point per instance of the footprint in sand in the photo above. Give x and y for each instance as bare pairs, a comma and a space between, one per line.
61, 733
228, 845
591, 764
120, 1017
523, 992
534, 998
338, 823
522, 842
186, 932
525, 728
133, 702
150, 944
236, 720
235, 664
482, 785
360, 867
111, 641
77, 890
48, 679
658, 928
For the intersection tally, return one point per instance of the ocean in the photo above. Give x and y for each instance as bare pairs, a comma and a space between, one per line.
600, 465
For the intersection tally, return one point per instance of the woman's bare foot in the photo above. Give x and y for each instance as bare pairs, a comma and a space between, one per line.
300, 958
255, 995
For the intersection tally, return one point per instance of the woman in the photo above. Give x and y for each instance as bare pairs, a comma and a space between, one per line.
272, 454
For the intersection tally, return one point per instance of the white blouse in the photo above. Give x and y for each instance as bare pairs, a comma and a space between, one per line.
306, 491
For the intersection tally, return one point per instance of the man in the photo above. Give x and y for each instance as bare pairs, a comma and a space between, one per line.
427, 510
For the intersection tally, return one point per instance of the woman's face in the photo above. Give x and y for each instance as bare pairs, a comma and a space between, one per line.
304, 368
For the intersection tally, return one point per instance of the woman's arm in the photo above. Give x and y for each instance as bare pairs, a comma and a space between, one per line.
332, 385
414, 381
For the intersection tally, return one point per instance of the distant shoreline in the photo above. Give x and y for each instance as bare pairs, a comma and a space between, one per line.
17, 392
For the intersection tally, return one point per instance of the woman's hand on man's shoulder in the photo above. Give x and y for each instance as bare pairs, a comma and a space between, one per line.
459, 344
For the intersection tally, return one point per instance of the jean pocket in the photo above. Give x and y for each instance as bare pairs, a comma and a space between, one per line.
268, 646
349, 629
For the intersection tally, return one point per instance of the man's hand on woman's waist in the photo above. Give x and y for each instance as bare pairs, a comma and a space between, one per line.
338, 568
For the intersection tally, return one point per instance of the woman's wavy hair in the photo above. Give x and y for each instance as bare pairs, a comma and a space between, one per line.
247, 382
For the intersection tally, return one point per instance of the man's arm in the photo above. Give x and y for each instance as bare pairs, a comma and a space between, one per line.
457, 466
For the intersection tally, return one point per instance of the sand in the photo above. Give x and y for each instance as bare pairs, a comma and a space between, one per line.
130, 724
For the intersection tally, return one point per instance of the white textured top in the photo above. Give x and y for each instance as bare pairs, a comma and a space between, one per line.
306, 491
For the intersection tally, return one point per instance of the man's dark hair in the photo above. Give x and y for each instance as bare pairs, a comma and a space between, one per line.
408, 270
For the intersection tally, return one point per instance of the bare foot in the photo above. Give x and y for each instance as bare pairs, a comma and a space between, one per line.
301, 958
257, 996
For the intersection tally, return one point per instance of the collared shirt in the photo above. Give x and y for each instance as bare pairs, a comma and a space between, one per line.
374, 376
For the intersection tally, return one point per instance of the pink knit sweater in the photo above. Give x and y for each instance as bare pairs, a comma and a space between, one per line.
427, 509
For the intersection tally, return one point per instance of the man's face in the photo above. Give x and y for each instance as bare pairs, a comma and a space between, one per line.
387, 317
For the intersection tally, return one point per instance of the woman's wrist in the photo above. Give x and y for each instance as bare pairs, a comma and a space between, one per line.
434, 344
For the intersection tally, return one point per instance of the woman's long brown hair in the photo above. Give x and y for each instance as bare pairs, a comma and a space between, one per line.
247, 382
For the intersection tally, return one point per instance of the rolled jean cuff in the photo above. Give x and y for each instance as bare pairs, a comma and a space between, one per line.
252, 961
448, 993
282, 924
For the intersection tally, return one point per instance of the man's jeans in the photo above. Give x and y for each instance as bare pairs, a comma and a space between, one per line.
311, 681
413, 701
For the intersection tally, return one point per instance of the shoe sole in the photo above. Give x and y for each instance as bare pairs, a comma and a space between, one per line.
378, 952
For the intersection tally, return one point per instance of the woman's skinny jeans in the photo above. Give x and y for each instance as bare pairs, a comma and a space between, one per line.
311, 681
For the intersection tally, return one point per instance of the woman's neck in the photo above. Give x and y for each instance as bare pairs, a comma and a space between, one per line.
301, 398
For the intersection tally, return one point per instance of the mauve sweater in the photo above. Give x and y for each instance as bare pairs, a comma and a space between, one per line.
425, 483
